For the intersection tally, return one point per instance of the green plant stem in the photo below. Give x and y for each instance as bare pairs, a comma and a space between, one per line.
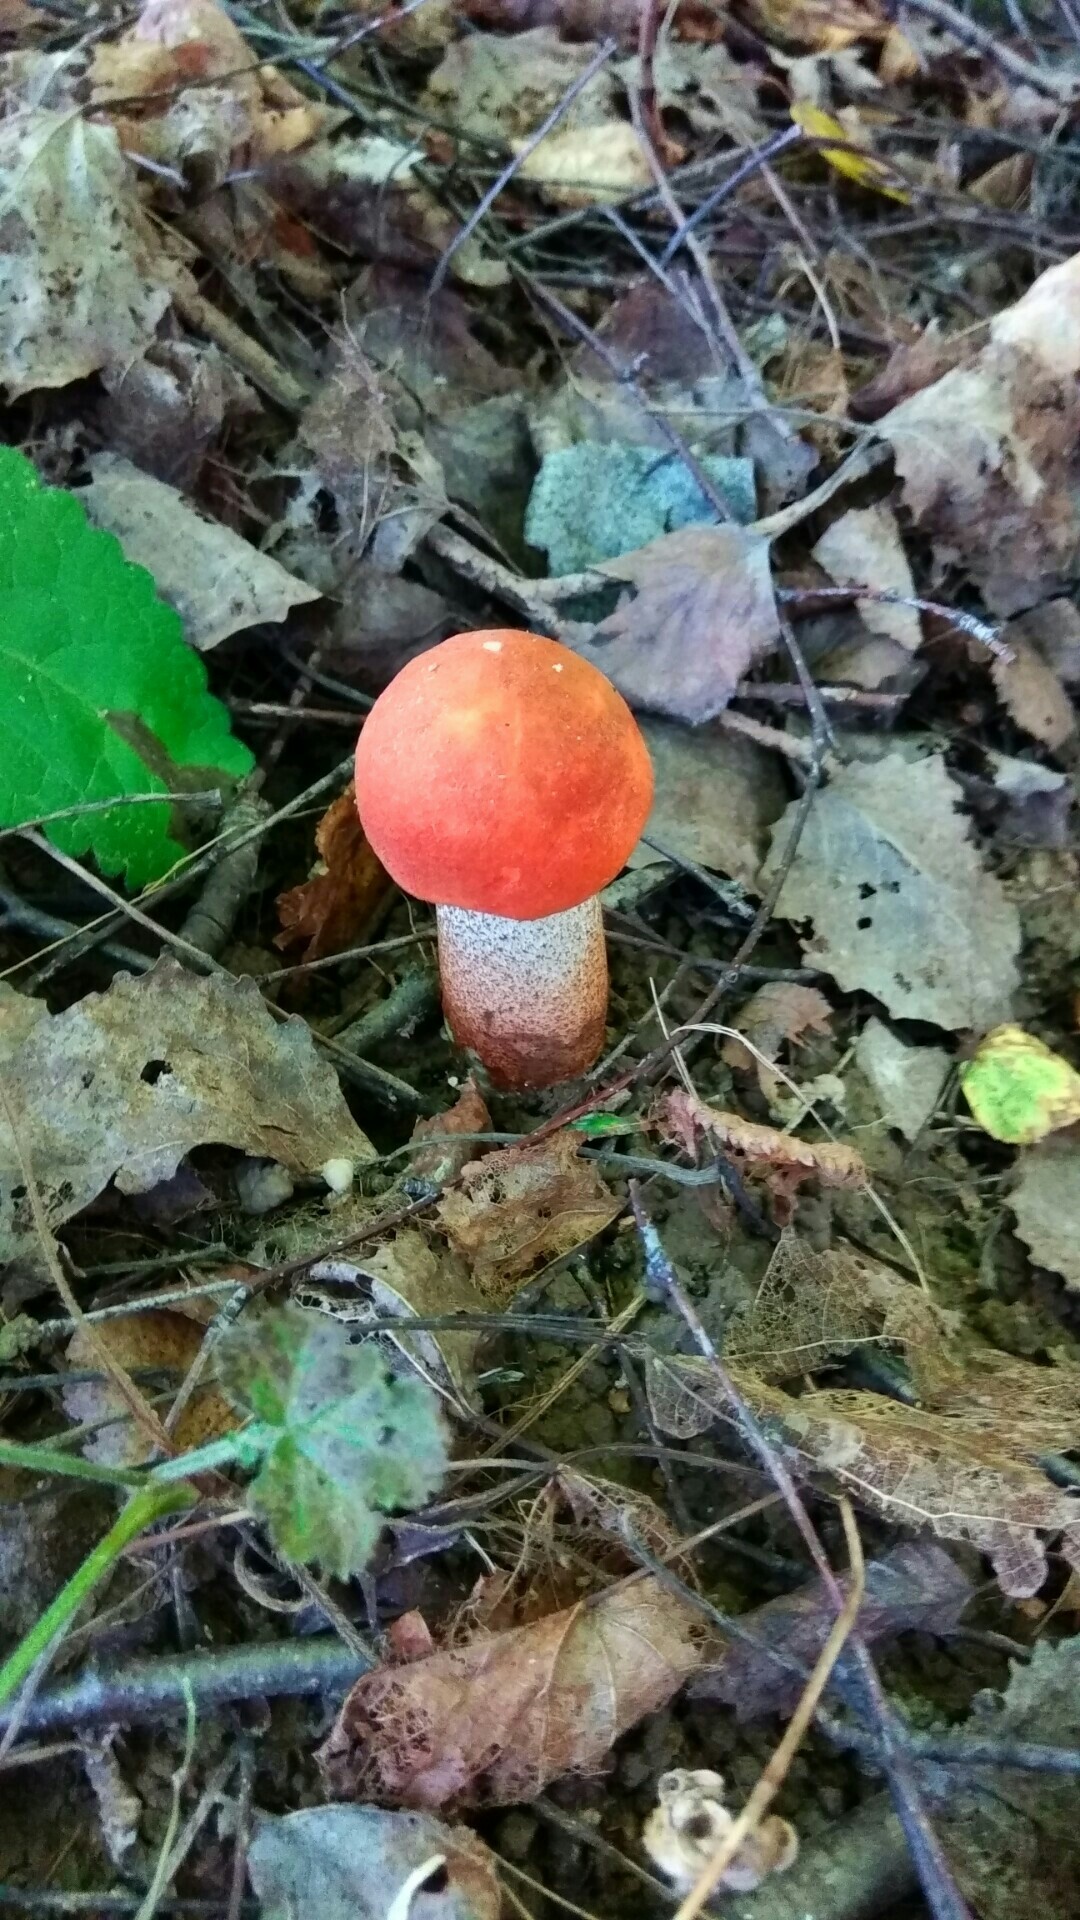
138, 1512
53, 1460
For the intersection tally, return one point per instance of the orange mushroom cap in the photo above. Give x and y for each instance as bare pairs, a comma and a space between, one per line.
502, 773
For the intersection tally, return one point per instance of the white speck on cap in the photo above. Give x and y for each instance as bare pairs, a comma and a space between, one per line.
492, 646
556, 669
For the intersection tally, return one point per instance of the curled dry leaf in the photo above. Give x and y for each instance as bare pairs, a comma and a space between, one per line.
157, 1338
900, 903
966, 1469
352, 1863
702, 615
494, 1721
763, 1153
691, 1821
514, 1211
217, 581
125, 1083
83, 283
987, 454
334, 910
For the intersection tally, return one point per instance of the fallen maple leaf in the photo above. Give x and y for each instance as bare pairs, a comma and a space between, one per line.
494, 1721
514, 1211
900, 903
703, 614
333, 910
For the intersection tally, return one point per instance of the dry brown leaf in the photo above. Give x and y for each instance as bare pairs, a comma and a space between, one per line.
502, 88
333, 910
514, 1211
1033, 694
444, 1161
586, 166
965, 1470
780, 1010
863, 548
156, 1338
763, 1153
703, 614
911, 366
492, 1722
1007, 183
988, 454
819, 24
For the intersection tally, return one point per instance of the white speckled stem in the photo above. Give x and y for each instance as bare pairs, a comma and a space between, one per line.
528, 996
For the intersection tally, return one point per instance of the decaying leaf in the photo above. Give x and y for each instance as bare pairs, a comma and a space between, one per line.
444, 1160
863, 548
916, 1588
717, 93
901, 905
334, 910
124, 1083
987, 454
514, 1211
813, 1308
495, 1720
1019, 1089
82, 282
501, 87
156, 1338
966, 1469
779, 1011
1046, 1202
703, 614
854, 159
907, 1080
1033, 694
351, 1863
586, 166
217, 581
763, 1153
715, 799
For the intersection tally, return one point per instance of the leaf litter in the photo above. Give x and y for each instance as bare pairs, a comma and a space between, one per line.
758, 367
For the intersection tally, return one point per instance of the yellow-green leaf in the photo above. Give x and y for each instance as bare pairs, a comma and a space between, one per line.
1018, 1089
862, 168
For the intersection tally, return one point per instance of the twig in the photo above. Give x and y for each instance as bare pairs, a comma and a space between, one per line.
775, 1771
1065, 88
760, 157
600, 59
230, 883
935, 1875
139, 1690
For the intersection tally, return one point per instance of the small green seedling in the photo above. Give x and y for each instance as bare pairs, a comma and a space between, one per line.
334, 1439
100, 696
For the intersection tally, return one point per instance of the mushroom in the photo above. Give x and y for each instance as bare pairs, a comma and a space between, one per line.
503, 778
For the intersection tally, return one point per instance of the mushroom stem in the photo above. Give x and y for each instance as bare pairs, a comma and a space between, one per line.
528, 996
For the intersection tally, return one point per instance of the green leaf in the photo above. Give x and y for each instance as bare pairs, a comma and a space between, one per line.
1018, 1089
601, 1125
343, 1439
99, 694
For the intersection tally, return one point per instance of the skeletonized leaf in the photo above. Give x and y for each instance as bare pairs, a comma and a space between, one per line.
900, 903
514, 1211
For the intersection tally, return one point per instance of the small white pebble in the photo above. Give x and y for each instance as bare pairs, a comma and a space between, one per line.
338, 1174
